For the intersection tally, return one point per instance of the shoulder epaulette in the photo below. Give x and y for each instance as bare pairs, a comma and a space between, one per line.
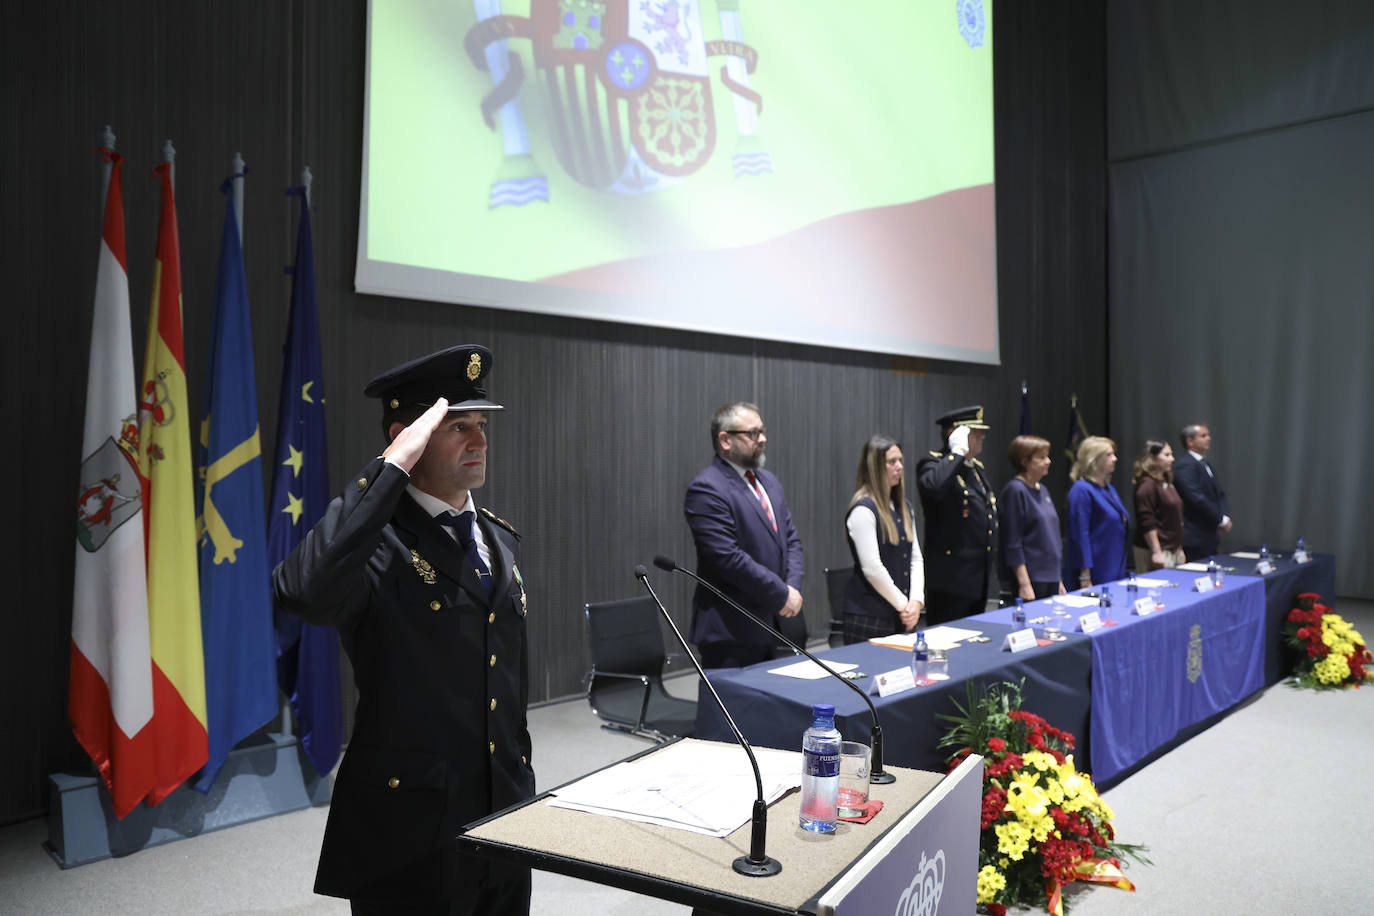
935, 454
500, 521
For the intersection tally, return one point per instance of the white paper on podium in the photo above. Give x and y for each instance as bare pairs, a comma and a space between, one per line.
940, 637
1075, 601
807, 670
703, 788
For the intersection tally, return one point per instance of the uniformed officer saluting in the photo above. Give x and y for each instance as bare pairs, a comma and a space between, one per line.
961, 518
427, 595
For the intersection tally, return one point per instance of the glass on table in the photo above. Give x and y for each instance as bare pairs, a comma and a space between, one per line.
854, 778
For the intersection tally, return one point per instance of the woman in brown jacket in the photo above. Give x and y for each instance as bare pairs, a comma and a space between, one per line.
1158, 540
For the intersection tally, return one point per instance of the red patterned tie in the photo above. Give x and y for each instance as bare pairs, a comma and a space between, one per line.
758, 491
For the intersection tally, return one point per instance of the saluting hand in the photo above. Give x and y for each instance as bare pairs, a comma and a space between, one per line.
405, 450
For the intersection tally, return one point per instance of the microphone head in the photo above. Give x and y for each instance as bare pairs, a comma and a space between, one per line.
664, 563
641, 572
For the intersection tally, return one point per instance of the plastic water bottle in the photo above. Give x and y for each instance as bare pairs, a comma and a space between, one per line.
1214, 570
1302, 543
820, 788
1018, 616
920, 657
1106, 599
1264, 553
1132, 589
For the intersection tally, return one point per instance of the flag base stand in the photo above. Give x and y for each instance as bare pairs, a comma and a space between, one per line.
264, 776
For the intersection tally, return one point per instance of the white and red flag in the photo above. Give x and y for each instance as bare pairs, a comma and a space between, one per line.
110, 701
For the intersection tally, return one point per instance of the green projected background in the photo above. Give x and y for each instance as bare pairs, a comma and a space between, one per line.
790, 169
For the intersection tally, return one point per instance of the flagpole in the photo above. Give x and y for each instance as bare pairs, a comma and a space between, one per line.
306, 179
107, 142
236, 173
169, 156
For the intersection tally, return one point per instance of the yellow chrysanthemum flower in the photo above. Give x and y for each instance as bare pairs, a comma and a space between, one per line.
990, 882
1040, 760
1027, 800
1013, 839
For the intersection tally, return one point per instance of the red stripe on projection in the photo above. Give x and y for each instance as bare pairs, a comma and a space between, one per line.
182, 747
126, 765
169, 255
113, 230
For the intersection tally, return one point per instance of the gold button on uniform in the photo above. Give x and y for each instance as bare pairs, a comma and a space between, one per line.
491, 747
491, 618
523, 761
492, 662
393, 782
362, 483
435, 605
493, 704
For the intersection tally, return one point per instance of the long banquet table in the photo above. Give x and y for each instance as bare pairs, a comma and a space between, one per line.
1125, 691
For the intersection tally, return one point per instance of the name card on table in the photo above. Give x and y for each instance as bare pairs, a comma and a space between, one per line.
1301, 556
893, 682
1264, 567
1146, 605
1089, 623
1203, 584
1019, 640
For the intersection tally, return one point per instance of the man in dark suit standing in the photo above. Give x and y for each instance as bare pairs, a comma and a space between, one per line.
430, 605
961, 518
746, 545
1205, 517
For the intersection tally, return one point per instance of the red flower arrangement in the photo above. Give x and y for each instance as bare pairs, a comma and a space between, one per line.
1042, 823
1331, 653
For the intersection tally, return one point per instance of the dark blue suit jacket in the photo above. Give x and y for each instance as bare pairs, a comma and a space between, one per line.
1204, 505
739, 552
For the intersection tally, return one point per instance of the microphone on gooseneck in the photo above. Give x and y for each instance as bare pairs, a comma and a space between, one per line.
758, 864
879, 775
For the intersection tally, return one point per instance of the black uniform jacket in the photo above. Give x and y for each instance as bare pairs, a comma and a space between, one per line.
961, 523
440, 738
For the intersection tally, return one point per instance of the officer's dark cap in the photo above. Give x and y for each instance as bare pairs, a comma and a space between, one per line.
971, 416
457, 374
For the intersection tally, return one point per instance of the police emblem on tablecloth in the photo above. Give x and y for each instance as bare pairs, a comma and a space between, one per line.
1194, 653
922, 896
971, 21
627, 87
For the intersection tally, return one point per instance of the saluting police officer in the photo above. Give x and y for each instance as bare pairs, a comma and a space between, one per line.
426, 591
961, 518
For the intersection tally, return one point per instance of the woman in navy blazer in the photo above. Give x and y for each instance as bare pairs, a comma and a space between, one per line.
1098, 521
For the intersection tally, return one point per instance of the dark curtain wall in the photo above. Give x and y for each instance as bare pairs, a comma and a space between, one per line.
1241, 230
607, 422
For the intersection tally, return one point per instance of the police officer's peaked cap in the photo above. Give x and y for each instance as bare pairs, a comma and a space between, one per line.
456, 373
971, 416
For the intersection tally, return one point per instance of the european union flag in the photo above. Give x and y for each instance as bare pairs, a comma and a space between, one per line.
235, 594
307, 656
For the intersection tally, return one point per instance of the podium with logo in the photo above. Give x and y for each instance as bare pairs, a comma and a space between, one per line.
916, 857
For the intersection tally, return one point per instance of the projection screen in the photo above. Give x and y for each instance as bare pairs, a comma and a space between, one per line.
796, 170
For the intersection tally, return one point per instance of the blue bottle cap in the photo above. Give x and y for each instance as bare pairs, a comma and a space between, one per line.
823, 710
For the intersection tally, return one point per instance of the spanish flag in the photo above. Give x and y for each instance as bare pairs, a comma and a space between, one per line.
169, 519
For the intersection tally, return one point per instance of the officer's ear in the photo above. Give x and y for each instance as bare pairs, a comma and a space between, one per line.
394, 430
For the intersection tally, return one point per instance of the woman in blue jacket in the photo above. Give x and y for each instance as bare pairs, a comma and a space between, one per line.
1098, 521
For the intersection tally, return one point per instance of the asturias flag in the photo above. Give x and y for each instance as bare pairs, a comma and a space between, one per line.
110, 701
235, 597
308, 662
169, 520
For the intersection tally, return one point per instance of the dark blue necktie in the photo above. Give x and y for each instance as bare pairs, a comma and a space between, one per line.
461, 526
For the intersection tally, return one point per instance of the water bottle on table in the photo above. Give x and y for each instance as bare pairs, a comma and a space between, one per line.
1018, 615
820, 786
1214, 570
920, 657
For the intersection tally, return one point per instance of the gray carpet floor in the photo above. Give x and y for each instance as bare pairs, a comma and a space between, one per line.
1266, 812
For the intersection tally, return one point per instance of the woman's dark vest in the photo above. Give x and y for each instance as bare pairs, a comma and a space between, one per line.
860, 597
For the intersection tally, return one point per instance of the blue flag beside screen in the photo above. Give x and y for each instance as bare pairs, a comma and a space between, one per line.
235, 596
307, 656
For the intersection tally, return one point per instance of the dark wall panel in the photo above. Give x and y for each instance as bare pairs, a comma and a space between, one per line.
607, 422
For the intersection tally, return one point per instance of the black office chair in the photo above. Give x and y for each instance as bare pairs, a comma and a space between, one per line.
625, 685
835, 582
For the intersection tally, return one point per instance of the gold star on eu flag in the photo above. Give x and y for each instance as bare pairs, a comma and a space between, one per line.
294, 506
295, 460
305, 392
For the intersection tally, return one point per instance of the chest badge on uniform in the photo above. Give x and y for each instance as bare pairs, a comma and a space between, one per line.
520, 581
422, 568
